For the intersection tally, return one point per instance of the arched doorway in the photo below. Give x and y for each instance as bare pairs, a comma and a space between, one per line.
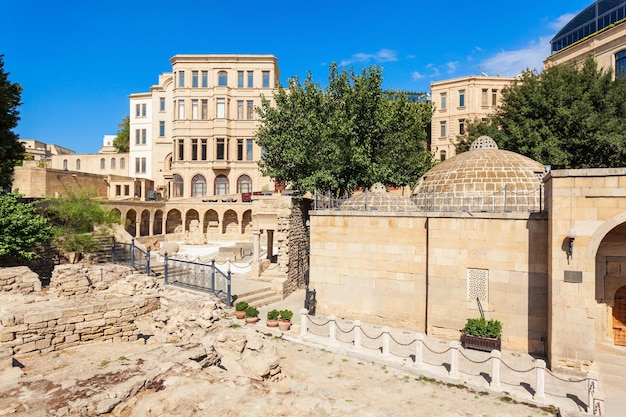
144, 227
619, 317
131, 222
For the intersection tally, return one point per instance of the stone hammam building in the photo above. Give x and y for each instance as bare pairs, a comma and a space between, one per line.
542, 251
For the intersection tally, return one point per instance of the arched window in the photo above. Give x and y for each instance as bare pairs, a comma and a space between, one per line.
244, 184
442, 156
65, 164
122, 163
177, 186
168, 163
102, 163
221, 185
78, 165
112, 163
198, 186
620, 64
222, 79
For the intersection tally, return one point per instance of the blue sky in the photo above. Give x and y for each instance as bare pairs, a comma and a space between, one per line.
78, 61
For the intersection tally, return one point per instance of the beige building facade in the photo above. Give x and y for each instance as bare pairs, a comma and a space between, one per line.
459, 101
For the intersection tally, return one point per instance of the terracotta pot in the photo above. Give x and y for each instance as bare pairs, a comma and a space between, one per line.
240, 314
284, 326
272, 323
252, 319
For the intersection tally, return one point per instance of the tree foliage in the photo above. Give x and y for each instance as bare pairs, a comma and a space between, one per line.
75, 218
122, 139
350, 134
567, 117
23, 228
11, 150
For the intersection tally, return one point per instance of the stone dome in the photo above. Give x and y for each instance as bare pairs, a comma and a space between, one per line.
378, 198
478, 177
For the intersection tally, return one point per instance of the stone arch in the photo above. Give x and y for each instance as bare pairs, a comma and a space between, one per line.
191, 215
144, 225
600, 233
246, 222
131, 222
211, 222
117, 213
157, 227
174, 221
230, 222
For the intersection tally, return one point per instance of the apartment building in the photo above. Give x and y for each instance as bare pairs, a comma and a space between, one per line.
458, 101
193, 132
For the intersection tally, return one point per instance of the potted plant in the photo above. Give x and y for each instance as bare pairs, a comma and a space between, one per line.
272, 318
240, 309
252, 315
481, 334
284, 320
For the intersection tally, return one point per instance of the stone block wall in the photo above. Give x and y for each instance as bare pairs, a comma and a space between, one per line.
46, 328
19, 279
72, 280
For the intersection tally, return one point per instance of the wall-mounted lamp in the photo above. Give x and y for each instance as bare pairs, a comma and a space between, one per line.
571, 235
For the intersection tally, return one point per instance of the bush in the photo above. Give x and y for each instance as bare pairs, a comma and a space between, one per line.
241, 306
483, 328
251, 312
286, 315
273, 314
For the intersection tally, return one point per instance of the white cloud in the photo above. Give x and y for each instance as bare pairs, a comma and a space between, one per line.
452, 66
416, 76
511, 63
561, 21
383, 55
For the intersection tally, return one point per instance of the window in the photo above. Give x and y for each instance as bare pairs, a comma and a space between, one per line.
168, 163
137, 136
181, 149
137, 110
250, 109
181, 109
77, 164
221, 108
461, 98
181, 78
203, 149
461, 126
112, 163
250, 79
444, 101
220, 149
221, 185
484, 96
118, 190
194, 109
442, 126
143, 110
204, 109
198, 186
140, 165
222, 79
244, 184
162, 104
122, 163
249, 149
266, 79
143, 136
239, 79
194, 149
127, 190
442, 156
102, 163
177, 186
494, 97
65, 164
194, 79
240, 149
205, 79
161, 128
239, 109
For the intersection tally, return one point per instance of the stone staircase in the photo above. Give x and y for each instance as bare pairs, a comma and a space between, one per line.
258, 297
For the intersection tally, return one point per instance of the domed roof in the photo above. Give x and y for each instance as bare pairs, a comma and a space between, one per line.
378, 198
482, 172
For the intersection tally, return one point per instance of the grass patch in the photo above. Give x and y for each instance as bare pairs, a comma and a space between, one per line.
103, 364
236, 325
122, 358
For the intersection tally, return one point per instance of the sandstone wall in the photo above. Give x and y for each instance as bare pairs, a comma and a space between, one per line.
19, 279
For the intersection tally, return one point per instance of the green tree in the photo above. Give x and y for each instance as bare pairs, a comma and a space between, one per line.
11, 150
122, 139
23, 228
75, 219
350, 134
567, 117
